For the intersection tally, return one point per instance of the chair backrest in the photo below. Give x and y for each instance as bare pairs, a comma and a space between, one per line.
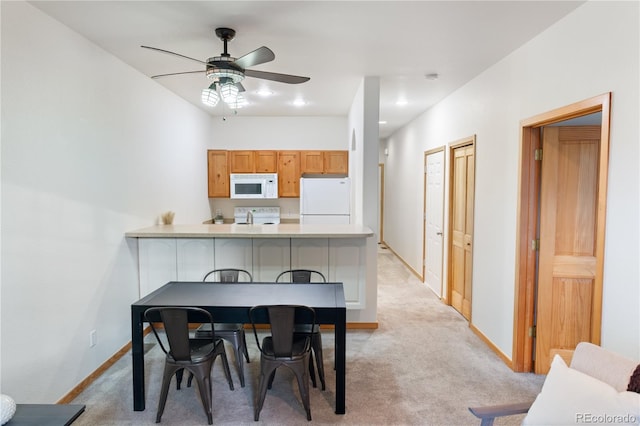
282, 320
176, 326
228, 275
300, 276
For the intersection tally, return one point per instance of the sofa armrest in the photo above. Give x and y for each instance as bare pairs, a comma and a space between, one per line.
488, 413
609, 367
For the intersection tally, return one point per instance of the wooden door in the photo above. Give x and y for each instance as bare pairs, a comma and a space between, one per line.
433, 220
567, 259
461, 222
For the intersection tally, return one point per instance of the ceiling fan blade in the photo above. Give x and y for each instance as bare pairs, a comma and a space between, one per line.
174, 53
177, 73
259, 56
282, 78
240, 87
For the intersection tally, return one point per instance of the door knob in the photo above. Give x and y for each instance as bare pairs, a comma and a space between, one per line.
438, 233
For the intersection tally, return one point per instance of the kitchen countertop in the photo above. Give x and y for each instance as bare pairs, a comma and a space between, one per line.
232, 230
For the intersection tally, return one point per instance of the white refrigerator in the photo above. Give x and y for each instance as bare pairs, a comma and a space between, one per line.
325, 200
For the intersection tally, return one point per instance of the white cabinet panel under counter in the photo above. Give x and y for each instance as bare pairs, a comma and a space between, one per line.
194, 258
310, 253
347, 260
156, 263
233, 253
187, 252
270, 257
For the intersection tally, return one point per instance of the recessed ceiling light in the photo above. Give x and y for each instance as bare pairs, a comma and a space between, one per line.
299, 102
431, 76
382, 122
264, 92
401, 102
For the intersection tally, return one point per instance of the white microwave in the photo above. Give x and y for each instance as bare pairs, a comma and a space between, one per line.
254, 185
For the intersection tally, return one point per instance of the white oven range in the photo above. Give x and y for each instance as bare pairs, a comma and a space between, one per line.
261, 215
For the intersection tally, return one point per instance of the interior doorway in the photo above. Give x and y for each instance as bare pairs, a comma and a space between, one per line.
433, 239
461, 207
560, 242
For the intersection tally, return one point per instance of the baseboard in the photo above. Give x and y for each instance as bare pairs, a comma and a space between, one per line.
493, 347
84, 384
413, 271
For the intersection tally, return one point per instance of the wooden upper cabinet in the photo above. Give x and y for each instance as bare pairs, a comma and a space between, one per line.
336, 162
288, 174
290, 165
327, 162
218, 174
253, 161
241, 162
266, 161
311, 162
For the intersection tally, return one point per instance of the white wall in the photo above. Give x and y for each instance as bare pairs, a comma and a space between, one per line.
591, 51
363, 169
90, 149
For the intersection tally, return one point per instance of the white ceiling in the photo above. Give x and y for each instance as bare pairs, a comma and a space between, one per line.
336, 43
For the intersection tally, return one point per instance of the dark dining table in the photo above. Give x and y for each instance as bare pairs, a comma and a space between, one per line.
230, 303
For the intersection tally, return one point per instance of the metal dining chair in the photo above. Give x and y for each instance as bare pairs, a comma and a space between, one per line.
308, 276
232, 333
183, 353
282, 347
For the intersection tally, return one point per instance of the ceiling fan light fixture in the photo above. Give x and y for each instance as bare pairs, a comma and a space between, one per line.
226, 72
223, 69
229, 92
210, 96
239, 102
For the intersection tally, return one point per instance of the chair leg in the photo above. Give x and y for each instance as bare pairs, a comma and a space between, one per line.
189, 380
179, 374
204, 386
225, 366
267, 372
312, 372
239, 349
303, 385
166, 381
271, 377
244, 343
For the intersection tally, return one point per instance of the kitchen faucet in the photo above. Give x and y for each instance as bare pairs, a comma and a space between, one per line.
250, 217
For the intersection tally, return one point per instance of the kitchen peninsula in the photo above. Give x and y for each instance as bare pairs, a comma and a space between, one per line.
187, 252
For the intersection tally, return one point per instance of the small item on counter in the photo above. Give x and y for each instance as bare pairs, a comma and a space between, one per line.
218, 219
167, 217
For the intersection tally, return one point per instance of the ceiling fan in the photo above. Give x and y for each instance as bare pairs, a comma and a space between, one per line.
227, 72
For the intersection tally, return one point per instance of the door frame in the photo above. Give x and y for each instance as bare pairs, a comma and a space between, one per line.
424, 214
381, 207
527, 227
468, 141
